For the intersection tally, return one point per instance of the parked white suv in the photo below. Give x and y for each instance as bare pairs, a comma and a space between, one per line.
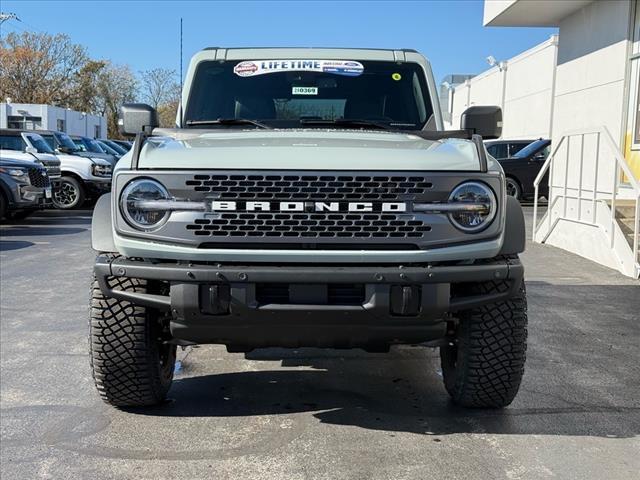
83, 176
30, 147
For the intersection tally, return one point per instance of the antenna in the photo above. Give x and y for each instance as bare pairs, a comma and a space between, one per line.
181, 85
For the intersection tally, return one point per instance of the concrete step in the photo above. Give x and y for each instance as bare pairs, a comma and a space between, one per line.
626, 224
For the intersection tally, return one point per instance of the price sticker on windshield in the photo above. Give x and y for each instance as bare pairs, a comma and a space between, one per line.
304, 91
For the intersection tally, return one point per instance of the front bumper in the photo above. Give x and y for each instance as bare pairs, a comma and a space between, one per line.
226, 303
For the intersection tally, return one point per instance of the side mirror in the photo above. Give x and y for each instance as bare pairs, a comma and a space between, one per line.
137, 118
62, 149
31, 150
485, 121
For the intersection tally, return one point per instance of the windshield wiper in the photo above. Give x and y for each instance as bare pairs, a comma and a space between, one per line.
228, 121
345, 122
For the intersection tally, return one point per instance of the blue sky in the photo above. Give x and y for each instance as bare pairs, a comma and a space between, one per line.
145, 34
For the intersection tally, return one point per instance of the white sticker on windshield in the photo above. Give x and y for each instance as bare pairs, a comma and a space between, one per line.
304, 91
251, 68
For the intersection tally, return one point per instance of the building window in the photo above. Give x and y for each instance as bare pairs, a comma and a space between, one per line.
60, 125
24, 122
96, 131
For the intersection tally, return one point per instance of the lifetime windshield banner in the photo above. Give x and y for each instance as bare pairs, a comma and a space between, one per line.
250, 68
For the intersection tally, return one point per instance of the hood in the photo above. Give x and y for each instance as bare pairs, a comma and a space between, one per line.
311, 149
17, 155
104, 156
6, 161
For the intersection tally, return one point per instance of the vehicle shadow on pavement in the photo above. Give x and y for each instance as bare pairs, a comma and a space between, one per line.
26, 231
7, 245
397, 392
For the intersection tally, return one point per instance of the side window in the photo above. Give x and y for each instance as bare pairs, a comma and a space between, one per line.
12, 142
515, 148
498, 150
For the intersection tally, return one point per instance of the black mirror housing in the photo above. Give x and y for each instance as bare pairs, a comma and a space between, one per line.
485, 121
137, 118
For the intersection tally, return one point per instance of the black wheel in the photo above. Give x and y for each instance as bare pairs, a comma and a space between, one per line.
484, 364
70, 194
132, 364
513, 188
3, 206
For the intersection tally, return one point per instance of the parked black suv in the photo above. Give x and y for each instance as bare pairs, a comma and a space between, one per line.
24, 187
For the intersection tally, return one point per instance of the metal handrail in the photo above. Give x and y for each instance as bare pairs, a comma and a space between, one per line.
621, 165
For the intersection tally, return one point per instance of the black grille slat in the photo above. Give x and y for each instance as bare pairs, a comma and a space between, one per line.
311, 188
376, 225
38, 178
310, 227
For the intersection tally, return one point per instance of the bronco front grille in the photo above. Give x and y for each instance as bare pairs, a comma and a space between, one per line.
310, 225
310, 187
38, 177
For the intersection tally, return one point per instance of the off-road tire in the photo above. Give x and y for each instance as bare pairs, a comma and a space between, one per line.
131, 365
484, 364
70, 194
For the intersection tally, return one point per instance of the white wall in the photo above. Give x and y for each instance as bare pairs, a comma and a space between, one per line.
76, 123
524, 90
590, 90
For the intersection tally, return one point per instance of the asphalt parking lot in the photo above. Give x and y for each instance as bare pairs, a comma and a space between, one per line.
310, 414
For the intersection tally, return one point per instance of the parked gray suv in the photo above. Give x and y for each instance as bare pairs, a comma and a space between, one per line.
24, 187
308, 197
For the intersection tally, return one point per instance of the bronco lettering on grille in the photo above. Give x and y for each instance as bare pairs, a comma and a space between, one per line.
309, 206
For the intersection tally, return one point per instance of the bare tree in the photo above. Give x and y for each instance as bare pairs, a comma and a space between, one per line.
116, 84
85, 97
159, 86
39, 68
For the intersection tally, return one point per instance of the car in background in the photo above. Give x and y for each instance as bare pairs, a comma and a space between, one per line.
522, 168
109, 149
93, 148
83, 175
123, 143
24, 187
31, 147
499, 149
118, 148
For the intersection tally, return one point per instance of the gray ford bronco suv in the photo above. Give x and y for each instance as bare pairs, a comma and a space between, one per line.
308, 197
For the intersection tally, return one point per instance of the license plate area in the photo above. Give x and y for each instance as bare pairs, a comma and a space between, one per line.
310, 294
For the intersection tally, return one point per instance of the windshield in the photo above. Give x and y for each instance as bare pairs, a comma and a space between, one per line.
107, 148
65, 141
531, 148
281, 93
114, 146
92, 145
39, 143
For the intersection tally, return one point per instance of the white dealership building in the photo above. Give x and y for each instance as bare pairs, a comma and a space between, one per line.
47, 117
581, 89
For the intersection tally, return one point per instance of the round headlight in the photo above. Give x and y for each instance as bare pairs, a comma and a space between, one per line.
481, 203
133, 199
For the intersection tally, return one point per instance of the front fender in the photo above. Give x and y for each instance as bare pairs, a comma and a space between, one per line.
101, 226
514, 229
